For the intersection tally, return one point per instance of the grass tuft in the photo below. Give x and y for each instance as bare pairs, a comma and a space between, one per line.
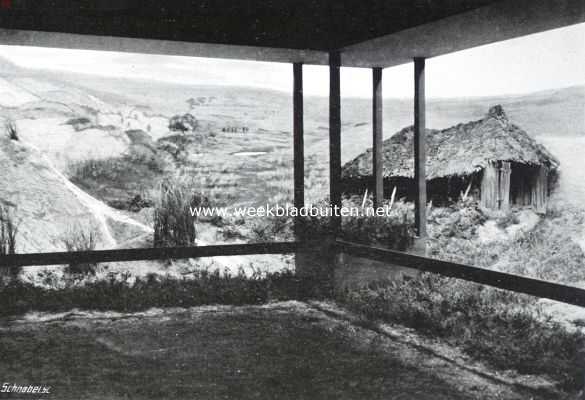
11, 130
81, 238
173, 223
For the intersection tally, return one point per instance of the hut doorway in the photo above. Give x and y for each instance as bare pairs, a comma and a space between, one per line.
530, 186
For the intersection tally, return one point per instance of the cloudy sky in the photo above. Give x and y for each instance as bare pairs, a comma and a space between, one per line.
542, 61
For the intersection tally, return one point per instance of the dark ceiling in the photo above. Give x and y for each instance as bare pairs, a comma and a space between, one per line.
297, 24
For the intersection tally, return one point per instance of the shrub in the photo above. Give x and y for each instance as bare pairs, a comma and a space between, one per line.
173, 223
230, 232
491, 325
183, 123
78, 123
134, 204
117, 293
272, 229
394, 231
81, 238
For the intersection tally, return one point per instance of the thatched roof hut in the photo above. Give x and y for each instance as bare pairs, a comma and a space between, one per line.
461, 157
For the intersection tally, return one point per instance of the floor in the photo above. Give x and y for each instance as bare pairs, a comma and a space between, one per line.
280, 351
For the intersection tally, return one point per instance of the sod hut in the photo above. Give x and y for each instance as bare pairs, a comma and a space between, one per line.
491, 159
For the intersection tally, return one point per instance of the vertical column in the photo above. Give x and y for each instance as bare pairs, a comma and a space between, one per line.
377, 147
335, 136
298, 130
420, 216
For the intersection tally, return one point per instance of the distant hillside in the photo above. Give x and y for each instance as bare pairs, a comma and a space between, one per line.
558, 112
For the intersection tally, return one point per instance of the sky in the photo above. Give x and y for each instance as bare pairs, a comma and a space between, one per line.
542, 61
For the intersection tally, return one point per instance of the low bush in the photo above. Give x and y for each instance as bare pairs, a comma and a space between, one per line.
272, 229
394, 231
114, 169
134, 203
81, 237
183, 123
78, 123
173, 223
491, 325
116, 293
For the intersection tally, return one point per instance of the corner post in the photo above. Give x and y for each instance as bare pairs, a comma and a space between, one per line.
335, 137
420, 216
298, 143
377, 138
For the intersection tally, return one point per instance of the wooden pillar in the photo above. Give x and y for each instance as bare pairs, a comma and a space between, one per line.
298, 130
335, 136
504, 186
420, 216
377, 138
490, 187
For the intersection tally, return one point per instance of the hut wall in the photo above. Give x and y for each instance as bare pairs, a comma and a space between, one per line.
504, 186
358, 186
496, 186
441, 191
540, 190
490, 187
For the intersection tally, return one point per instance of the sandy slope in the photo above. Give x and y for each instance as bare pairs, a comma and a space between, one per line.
14, 96
47, 203
43, 206
64, 145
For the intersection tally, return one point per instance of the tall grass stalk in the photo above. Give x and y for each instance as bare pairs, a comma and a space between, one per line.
81, 238
173, 223
8, 232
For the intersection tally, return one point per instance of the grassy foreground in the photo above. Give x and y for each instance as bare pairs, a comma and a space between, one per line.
119, 294
489, 325
215, 353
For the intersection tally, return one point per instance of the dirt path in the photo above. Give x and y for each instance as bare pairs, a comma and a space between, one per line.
288, 350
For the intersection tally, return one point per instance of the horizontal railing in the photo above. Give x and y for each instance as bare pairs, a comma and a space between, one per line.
159, 253
502, 280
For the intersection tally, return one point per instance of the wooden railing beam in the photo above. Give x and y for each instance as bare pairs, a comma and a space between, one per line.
516, 283
161, 253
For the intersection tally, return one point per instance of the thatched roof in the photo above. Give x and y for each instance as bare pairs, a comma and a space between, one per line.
458, 150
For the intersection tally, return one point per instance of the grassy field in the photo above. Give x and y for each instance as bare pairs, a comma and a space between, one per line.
284, 351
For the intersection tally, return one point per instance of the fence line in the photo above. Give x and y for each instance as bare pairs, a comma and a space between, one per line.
516, 283
160, 253
512, 282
